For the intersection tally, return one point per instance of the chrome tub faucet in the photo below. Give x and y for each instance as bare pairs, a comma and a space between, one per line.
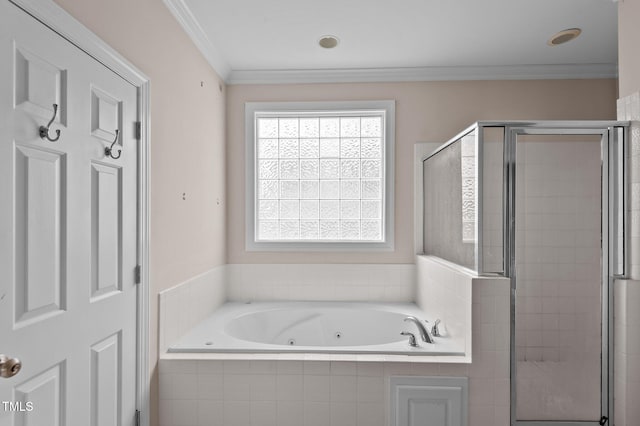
424, 334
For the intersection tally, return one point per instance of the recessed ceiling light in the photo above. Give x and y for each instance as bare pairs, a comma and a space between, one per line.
328, 41
564, 36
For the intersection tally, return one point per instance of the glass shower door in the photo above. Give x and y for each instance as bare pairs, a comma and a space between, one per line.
559, 278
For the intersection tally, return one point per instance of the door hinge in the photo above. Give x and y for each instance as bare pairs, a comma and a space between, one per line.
138, 130
603, 420
137, 419
136, 274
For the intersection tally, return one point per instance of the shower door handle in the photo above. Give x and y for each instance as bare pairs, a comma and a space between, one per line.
9, 367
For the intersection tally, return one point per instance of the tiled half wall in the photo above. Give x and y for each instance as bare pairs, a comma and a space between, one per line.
254, 392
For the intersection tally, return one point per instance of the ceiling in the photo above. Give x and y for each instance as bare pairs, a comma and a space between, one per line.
258, 41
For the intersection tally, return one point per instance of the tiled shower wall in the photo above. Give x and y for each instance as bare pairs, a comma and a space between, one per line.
557, 249
627, 292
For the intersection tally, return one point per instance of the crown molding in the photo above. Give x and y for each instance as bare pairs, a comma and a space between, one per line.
189, 23
507, 72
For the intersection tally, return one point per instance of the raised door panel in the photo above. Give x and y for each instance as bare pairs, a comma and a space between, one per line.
106, 230
38, 85
40, 247
106, 381
435, 410
40, 399
106, 114
433, 401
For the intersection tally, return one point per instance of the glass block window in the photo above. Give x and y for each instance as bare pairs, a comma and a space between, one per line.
320, 176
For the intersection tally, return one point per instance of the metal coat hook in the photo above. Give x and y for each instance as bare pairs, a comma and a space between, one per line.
109, 150
44, 131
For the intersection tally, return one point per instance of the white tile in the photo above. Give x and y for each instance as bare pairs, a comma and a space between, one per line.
402, 368
317, 414
289, 387
482, 365
237, 387
263, 367
481, 415
165, 385
183, 412
237, 413
484, 338
375, 369
210, 386
502, 415
632, 341
399, 293
179, 386
236, 367
290, 413
165, 413
344, 388
370, 389
210, 366
503, 336
289, 367
371, 414
263, 387
343, 414
343, 368
374, 293
210, 413
317, 388
502, 394
423, 369
178, 366
264, 413
502, 364
633, 367
633, 408
453, 369
317, 367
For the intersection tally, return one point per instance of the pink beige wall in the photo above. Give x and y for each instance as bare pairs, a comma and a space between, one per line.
425, 111
187, 141
628, 42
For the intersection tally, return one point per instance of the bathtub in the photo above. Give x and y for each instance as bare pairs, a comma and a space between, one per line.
314, 327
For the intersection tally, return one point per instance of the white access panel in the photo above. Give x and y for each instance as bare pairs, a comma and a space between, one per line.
433, 401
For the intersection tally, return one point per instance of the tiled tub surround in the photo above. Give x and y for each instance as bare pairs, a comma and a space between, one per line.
335, 282
200, 391
442, 288
187, 304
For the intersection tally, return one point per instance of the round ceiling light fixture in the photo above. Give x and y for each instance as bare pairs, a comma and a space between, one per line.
328, 41
564, 36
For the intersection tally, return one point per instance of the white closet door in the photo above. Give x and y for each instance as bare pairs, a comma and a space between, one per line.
67, 232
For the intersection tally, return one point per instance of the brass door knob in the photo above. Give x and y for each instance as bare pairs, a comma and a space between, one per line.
9, 367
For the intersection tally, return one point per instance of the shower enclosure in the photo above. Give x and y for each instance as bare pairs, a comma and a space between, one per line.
542, 203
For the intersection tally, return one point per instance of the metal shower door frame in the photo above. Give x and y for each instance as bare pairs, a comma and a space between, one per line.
614, 202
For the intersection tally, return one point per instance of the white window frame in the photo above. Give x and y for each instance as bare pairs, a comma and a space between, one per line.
253, 108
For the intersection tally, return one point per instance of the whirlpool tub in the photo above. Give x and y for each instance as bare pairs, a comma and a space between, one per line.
316, 327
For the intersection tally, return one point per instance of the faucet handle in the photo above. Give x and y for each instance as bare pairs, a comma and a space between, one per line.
435, 330
412, 338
